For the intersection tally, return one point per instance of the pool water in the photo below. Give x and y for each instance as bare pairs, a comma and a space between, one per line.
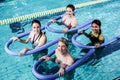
20, 68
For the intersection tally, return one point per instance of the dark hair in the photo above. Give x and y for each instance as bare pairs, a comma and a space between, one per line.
98, 22
64, 41
71, 6
36, 21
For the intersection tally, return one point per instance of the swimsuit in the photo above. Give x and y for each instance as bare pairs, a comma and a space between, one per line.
94, 39
35, 39
68, 26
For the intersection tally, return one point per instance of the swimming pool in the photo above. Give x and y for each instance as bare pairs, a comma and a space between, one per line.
19, 68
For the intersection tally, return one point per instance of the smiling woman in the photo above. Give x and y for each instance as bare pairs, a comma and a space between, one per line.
95, 35
36, 37
63, 58
12, 68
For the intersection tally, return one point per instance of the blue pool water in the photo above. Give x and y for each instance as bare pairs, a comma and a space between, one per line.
20, 68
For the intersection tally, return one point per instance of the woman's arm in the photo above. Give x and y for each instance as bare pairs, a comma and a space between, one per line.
20, 40
56, 21
59, 23
68, 63
64, 66
83, 32
48, 58
23, 51
62, 69
71, 60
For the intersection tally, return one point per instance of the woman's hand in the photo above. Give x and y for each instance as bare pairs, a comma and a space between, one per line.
61, 71
53, 21
81, 32
97, 45
46, 58
23, 51
15, 38
65, 30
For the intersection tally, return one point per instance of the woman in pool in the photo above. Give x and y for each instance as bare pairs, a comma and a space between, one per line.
62, 56
95, 35
68, 19
36, 37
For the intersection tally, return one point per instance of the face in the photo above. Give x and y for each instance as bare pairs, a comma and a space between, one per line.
36, 28
62, 47
95, 28
69, 11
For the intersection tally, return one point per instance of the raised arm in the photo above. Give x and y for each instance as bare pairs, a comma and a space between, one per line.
20, 40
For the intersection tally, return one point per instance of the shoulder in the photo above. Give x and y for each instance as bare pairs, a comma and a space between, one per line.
74, 21
70, 58
101, 37
74, 18
43, 38
43, 34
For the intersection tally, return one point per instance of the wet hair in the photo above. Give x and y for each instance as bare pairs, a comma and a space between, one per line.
64, 41
36, 21
98, 22
71, 6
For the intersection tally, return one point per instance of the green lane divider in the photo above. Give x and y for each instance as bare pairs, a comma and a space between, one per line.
48, 12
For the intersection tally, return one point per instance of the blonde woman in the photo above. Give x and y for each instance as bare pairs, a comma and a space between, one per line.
62, 56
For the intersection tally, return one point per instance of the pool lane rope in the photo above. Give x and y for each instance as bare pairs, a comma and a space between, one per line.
48, 12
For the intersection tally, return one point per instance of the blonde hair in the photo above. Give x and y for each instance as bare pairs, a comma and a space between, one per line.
64, 41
